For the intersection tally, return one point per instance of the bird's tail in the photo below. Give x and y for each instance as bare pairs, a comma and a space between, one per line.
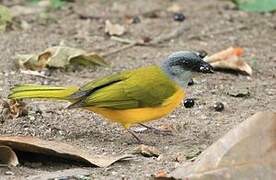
41, 91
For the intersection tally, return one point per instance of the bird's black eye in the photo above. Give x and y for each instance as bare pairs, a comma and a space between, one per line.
206, 68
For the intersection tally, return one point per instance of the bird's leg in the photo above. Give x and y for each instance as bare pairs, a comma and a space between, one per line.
135, 136
155, 130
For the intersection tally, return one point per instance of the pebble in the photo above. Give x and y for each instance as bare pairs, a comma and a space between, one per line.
218, 106
10, 173
189, 103
179, 17
191, 82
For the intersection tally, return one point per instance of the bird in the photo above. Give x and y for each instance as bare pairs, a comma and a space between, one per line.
129, 97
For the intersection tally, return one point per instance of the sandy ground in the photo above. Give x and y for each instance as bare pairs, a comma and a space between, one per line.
211, 26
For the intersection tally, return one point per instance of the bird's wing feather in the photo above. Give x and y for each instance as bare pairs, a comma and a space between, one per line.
144, 87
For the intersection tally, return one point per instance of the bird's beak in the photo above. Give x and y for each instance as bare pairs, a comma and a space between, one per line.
205, 67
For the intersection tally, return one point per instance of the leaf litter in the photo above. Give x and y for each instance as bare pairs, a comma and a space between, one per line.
246, 151
58, 149
8, 156
229, 59
114, 29
59, 57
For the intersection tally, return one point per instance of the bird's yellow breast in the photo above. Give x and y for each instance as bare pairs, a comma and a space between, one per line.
139, 115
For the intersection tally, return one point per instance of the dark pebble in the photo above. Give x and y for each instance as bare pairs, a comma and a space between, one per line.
136, 20
218, 106
189, 103
179, 17
191, 82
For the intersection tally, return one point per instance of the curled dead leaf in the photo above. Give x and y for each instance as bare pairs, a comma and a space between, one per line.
147, 151
114, 29
14, 108
58, 149
59, 57
247, 151
17, 108
8, 156
229, 59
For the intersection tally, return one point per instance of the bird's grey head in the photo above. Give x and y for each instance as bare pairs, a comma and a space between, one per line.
180, 65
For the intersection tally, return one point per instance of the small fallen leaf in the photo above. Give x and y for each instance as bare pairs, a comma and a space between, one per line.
246, 152
17, 108
256, 5
58, 149
174, 8
12, 109
229, 59
8, 156
160, 174
114, 29
5, 17
59, 57
147, 151
239, 92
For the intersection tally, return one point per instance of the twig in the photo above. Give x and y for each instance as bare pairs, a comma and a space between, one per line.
118, 50
131, 43
36, 73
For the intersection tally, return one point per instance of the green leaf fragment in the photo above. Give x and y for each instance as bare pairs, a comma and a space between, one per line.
256, 5
5, 17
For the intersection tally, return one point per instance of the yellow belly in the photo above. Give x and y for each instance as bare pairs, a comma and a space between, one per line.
140, 115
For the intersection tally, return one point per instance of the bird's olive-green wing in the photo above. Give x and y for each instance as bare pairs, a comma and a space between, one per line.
93, 86
144, 87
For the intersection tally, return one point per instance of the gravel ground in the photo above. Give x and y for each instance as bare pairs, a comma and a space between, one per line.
211, 25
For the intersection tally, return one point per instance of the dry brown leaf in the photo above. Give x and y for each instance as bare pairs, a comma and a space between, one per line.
160, 174
114, 29
147, 151
246, 152
8, 156
59, 57
57, 149
229, 59
17, 108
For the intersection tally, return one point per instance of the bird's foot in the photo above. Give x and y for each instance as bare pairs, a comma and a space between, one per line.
139, 141
157, 131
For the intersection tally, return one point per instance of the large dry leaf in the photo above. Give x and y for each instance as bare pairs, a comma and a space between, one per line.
114, 29
57, 149
247, 151
5, 17
229, 59
8, 156
59, 57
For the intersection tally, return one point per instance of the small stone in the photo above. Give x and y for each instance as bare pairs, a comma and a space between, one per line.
9, 173
191, 82
136, 20
218, 106
179, 17
189, 103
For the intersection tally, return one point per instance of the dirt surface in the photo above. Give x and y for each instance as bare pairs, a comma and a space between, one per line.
211, 25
